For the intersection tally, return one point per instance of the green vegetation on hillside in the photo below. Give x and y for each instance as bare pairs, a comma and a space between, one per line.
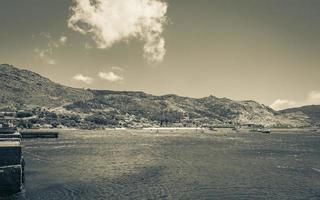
37, 100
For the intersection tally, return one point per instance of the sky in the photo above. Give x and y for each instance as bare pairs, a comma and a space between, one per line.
262, 50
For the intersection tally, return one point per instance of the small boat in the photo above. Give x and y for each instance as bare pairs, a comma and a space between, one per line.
314, 130
261, 130
211, 128
235, 129
268, 131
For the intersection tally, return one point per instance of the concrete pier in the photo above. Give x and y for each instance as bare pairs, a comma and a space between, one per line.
11, 157
11, 165
11, 179
11, 135
7, 131
10, 153
39, 134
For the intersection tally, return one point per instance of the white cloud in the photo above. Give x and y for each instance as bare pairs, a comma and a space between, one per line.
45, 56
312, 98
280, 104
112, 21
45, 35
116, 68
63, 40
45, 53
87, 46
82, 78
51, 62
110, 76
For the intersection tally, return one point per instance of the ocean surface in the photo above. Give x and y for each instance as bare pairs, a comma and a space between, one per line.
172, 165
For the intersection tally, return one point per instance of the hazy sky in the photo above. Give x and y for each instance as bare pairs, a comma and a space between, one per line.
265, 50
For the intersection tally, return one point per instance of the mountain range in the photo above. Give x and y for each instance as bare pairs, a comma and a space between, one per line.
312, 111
26, 90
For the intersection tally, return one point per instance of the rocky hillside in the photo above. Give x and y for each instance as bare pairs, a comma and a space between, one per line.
20, 87
171, 109
312, 111
116, 108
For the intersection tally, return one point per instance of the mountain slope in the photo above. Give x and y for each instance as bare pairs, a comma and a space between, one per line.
103, 107
175, 109
26, 87
312, 111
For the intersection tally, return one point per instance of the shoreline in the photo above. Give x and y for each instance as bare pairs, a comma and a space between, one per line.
179, 129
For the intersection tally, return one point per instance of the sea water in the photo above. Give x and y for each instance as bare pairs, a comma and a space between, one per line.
172, 165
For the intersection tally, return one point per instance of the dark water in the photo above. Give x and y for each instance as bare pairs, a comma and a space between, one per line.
142, 165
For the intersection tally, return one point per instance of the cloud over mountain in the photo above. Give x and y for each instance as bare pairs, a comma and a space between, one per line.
312, 98
112, 21
280, 104
46, 52
110, 76
82, 78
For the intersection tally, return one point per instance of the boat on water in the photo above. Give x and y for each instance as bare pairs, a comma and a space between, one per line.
315, 130
264, 130
11, 159
261, 130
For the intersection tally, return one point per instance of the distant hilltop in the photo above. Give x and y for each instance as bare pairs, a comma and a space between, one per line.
37, 100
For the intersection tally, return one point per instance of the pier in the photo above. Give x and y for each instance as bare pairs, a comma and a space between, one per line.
39, 134
11, 156
8, 136
11, 165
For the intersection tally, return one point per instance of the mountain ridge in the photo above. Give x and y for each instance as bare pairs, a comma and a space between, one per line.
312, 111
23, 88
20, 86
